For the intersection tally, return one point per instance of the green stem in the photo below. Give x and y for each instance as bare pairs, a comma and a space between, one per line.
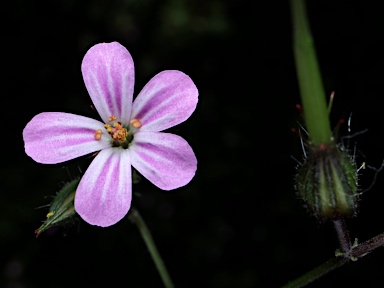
309, 77
146, 234
356, 252
317, 272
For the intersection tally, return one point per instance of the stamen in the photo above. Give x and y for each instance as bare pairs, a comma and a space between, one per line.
108, 127
117, 132
135, 123
50, 214
98, 134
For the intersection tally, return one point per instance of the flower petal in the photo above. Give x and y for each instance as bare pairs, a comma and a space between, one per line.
168, 99
165, 159
109, 76
54, 137
104, 194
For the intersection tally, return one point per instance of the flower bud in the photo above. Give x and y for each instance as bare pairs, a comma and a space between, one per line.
62, 210
327, 182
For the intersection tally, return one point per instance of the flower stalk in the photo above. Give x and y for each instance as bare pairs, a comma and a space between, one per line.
308, 73
327, 180
136, 218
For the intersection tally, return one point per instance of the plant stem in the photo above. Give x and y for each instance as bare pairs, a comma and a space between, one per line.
342, 235
356, 252
364, 248
146, 234
309, 77
316, 273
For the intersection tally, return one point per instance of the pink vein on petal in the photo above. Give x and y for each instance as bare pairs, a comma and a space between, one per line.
168, 99
103, 196
108, 73
165, 159
55, 137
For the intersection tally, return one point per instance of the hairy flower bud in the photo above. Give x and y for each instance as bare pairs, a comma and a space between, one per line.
62, 210
327, 182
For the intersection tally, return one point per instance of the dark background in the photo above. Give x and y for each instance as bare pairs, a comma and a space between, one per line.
238, 223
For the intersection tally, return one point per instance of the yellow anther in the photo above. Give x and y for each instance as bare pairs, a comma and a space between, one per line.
112, 118
117, 132
50, 214
108, 127
98, 134
135, 123
120, 134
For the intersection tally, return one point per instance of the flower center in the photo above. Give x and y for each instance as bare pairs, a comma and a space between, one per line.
117, 131
121, 136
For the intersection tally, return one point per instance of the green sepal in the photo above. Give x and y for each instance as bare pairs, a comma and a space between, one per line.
327, 182
62, 210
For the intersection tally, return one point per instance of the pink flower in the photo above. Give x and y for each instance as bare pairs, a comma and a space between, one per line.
130, 134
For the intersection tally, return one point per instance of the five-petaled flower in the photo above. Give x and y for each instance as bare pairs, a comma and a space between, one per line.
129, 135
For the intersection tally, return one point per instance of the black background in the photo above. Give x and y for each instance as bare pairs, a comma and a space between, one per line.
238, 223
